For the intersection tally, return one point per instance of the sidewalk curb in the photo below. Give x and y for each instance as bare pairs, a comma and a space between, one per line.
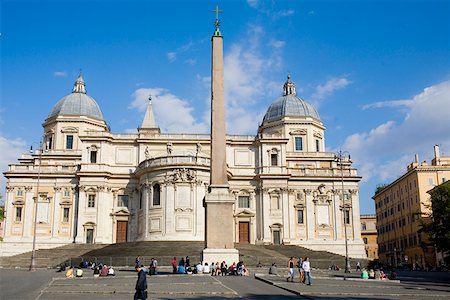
257, 277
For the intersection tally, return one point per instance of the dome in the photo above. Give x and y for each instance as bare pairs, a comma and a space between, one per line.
289, 105
77, 103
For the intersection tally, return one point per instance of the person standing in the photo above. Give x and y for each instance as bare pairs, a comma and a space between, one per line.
290, 266
307, 269
141, 284
301, 272
174, 265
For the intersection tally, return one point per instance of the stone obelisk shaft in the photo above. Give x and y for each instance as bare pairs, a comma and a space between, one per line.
218, 138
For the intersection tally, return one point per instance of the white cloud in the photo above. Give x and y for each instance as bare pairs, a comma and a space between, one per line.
268, 8
323, 91
253, 3
389, 103
60, 74
11, 149
172, 114
383, 152
191, 61
248, 74
171, 56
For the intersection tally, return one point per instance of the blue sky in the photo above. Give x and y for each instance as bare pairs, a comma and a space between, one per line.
377, 71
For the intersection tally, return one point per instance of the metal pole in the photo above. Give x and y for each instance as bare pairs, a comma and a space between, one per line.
344, 209
33, 252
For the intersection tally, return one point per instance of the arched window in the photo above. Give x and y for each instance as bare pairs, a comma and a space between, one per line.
156, 195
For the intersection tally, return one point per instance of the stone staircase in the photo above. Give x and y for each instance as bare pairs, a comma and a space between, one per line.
48, 258
124, 254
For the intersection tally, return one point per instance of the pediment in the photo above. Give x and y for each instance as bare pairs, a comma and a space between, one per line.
121, 212
245, 213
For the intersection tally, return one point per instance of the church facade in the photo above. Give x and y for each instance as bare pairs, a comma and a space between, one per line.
96, 186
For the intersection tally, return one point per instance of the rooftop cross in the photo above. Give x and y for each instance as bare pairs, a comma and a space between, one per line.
217, 11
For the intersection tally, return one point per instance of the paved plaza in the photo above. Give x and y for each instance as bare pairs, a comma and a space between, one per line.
47, 284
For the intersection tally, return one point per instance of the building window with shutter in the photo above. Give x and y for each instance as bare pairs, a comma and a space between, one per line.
18, 216
300, 216
69, 142
91, 201
298, 143
66, 212
93, 156
244, 201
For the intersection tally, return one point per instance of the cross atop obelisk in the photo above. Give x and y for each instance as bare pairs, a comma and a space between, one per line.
219, 219
217, 23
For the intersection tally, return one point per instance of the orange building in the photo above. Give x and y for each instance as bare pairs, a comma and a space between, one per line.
402, 206
369, 235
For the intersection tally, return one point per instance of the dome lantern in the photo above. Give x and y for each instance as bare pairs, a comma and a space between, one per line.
79, 86
289, 87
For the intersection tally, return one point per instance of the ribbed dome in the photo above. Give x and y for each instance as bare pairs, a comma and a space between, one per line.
77, 104
289, 105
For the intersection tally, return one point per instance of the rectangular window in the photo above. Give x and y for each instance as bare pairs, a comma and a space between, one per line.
444, 179
66, 211
18, 214
300, 219
298, 143
244, 201
274, 159
93, 157
91, 201
141, 195
69, 142
19, 193
275, 202
430, 181
346, 217
122, 200
317, 146
66, 194
50, 142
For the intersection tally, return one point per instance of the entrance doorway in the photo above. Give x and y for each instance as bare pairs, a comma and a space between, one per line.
244, 232
276, 237
121, 231
89, 236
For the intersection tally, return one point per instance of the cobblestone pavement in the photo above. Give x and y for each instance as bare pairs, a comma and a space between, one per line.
325, 286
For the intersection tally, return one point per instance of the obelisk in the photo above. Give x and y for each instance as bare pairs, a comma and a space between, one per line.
219, 244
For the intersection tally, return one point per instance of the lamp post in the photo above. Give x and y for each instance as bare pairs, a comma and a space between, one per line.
339, 157
33, 252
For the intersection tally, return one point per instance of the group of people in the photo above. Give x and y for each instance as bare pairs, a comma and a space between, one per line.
377, 274
99, 270
152, 268
183, 266
304, 270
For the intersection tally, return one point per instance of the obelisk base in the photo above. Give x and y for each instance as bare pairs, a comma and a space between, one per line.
211, 255
219, 233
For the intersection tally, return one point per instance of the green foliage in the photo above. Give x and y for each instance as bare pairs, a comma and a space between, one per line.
439, 227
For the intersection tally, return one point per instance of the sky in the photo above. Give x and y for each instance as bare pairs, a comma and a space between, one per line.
378, 72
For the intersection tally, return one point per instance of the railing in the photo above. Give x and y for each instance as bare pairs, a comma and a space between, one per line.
310, 154
175, 160
44, 168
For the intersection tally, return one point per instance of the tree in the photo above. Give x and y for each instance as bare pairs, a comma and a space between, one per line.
439, 227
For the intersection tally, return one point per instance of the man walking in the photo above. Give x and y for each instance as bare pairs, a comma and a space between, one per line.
141, 284
307, 269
